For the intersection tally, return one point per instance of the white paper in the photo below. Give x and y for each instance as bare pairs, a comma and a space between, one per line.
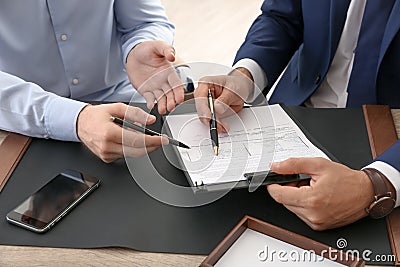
257, 136
256, 249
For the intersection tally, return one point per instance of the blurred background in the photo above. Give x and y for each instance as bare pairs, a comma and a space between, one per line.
210, 30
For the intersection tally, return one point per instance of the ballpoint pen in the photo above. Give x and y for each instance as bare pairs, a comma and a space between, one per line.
144, 130
213, 123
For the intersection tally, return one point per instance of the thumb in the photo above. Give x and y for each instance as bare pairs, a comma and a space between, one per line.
310, 166
165, 50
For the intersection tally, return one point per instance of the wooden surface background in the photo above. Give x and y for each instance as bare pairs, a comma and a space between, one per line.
209, 31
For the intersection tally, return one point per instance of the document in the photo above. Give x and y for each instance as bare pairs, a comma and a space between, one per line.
257, 136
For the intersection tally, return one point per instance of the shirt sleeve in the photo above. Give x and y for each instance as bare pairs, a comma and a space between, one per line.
142, 20
28, 109
391, 173
259, 77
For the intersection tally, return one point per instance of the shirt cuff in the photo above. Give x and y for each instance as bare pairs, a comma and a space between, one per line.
392, 174
259, 76
129, 46
61, 115
131, 43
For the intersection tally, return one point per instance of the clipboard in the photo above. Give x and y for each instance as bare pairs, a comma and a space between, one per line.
261, 178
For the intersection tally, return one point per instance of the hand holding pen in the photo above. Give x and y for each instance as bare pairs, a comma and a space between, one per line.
147, 131
109, 141
229, 92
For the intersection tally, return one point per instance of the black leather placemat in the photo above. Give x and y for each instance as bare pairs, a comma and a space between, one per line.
119, 213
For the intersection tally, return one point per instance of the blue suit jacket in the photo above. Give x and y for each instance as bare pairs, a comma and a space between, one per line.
306, 33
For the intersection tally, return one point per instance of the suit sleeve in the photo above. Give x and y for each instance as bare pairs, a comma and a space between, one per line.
142, 20
274, 37
391, 156
388, 163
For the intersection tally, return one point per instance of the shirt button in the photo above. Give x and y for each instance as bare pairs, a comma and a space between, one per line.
64, 37
75, 81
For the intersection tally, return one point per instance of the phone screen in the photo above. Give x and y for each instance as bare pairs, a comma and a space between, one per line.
53, 199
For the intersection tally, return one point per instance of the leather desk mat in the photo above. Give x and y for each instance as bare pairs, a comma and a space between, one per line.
120, 214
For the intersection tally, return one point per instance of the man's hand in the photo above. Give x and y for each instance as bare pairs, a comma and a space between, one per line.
230, 93
104, 138
150, 70
336, 195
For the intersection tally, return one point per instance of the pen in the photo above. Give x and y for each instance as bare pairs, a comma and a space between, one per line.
274, 177
144, 130
213, 123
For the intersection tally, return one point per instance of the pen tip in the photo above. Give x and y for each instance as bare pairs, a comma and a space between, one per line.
183, 145
216, 150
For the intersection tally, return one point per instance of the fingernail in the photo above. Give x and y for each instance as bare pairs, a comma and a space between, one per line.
150, 105
225, 128
165, 141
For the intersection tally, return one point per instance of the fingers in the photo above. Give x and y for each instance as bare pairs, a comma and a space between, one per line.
309, 166
161, 101
222, 127
173, 91
165, 50
170, 97
201, 101
201, 95
289, 195
166, 88
117, 109
105, 138
128, 143
135, 114
115, 151
139, 140
177, 87
150, 99
227, 101
169, 53
225, 104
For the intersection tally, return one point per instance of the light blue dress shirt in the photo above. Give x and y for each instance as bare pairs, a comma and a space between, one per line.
55, 55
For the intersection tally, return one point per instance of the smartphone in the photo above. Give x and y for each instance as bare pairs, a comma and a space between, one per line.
54, 200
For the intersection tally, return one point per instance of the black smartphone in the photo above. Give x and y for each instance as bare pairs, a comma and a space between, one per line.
54, 200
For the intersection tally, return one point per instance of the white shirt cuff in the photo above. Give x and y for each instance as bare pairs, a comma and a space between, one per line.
392, 174
259, 77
